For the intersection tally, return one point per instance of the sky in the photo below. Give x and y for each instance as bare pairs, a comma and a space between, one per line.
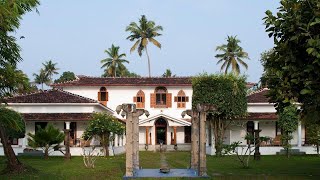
75, 33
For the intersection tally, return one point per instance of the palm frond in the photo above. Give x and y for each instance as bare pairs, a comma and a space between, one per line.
155, 42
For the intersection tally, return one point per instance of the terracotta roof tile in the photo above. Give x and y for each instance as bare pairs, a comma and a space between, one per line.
258, 96
127, 81
262, 116
56, 116
130, 81
50, 96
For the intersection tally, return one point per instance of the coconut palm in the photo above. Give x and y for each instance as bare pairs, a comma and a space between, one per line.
41, 78
232, 55
141, 34
50, 69
114, 61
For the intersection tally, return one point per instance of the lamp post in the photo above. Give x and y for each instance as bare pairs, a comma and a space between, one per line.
257, 154
67, 155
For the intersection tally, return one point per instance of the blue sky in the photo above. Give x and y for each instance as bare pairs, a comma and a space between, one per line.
75, 33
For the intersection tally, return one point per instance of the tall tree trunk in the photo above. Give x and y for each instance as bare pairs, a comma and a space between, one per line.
148, 62
13, 164
46, 153
105, 143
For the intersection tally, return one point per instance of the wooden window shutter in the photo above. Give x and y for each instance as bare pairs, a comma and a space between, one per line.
152, 100
99, 96
169, 100
135, 99
107, 96
187, 98
176, 99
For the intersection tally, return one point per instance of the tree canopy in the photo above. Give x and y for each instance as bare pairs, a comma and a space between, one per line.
66, 76
114, 61
142, 33
103, 125
227, 92
232, 55
295, 59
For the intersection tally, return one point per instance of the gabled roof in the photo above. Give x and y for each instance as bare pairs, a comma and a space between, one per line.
50, 96
183, 122
126, 81
258, 96
57, 116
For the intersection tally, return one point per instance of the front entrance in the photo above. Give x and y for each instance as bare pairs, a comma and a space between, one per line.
161, 131
73, 133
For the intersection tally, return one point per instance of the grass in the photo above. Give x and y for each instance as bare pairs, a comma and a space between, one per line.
270, 167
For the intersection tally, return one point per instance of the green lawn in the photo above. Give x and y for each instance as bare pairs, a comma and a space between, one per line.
270, 167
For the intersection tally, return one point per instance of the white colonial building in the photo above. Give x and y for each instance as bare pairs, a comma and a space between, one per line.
73, 102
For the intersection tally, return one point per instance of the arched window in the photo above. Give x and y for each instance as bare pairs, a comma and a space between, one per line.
139, 99
161, 98
181, 99
103, 95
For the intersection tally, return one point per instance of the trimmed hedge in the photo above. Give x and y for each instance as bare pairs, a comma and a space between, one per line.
227, 92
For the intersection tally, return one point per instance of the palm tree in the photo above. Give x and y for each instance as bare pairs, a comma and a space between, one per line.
41, 78
114, 61
50, 69
141, 34
168, 73
232, 55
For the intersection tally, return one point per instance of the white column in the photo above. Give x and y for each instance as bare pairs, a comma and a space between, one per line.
299, 134
256, 125
67, 125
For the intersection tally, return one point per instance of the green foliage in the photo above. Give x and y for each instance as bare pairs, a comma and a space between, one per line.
114, 61
102, 125
295, 59
41, 78
168, 73
12, 122
227, 92
66, 76
313, 129
288, 122
46, 138
143, 33
50, 69
232, 55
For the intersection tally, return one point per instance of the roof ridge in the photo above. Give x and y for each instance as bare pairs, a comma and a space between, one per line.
29, 93
258, 91
74, 80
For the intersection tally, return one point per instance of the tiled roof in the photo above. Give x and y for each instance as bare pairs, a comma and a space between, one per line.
258, 96
127, 81
130, 81
56, 116
50, 96
262, 116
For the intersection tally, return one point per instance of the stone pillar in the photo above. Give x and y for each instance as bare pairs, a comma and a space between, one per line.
132, 135
195, 140
257, 154
299, 134
135, 141
174, 135
202, 148
147, 135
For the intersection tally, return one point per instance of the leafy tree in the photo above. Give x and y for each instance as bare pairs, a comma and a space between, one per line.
103, 125
46, 138
232, 54
41, 78
114, 61
122, 71
10, 15
288, 122
168, 73
11, 125
141, 34
296, 55
50, 69
313, 128
228, 94
66, 76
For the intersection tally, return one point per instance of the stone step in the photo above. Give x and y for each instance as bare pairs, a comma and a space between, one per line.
291, 151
